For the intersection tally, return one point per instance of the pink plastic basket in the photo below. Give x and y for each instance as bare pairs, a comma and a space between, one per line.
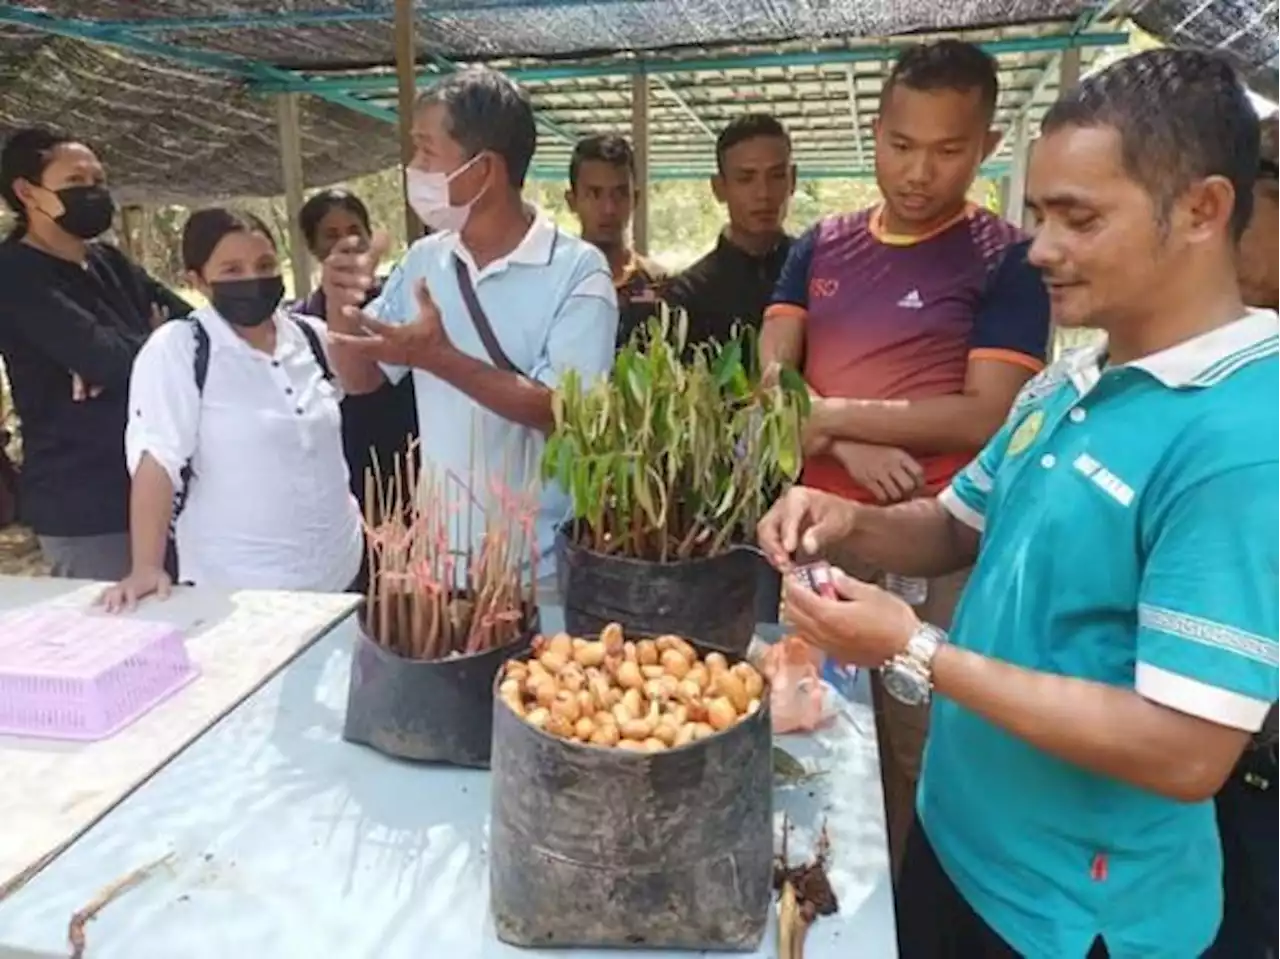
68, 674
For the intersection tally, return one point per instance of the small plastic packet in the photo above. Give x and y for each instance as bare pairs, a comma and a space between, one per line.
798, 699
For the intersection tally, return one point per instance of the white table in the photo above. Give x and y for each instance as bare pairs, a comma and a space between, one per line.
287, 841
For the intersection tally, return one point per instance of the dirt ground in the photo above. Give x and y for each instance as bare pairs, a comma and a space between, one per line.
19, 553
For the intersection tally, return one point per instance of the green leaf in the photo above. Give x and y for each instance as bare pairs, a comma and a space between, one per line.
728, 363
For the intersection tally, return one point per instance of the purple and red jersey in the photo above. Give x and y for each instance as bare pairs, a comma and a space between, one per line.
899, 318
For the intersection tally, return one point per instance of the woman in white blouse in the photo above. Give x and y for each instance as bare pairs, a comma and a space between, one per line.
234, 428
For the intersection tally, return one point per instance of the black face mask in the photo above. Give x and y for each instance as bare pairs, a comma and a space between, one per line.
86, 210
247, 302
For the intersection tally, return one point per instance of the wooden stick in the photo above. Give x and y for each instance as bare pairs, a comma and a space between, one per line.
75, 929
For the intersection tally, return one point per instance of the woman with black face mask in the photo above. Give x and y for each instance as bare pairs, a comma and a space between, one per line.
73, 314
234, 429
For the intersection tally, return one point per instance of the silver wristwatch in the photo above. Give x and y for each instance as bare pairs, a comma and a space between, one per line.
908, 677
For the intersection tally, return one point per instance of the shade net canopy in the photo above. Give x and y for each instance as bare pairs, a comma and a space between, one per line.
177, 95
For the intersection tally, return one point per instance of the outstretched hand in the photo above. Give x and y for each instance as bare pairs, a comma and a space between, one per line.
348, 273
420, 343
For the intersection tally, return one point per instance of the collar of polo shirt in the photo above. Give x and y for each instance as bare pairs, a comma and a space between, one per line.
534, 250
1199, 362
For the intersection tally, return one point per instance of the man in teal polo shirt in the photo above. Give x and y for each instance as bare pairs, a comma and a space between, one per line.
1116, 645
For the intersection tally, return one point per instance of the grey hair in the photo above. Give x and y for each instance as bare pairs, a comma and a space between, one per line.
487, 112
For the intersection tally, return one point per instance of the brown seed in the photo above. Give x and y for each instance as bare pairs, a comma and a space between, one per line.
716, 663
636, 729
751, 680
721, 714
635, 705
629, 676
538, 717
589, 654
559, 726
562, 645
685, 734
611, 637
699, 675
654, 745
666, 731
632, 745
584, 729
553, 662
703, 730
675, 664
646, 652
730, 686
606, 735
566, 706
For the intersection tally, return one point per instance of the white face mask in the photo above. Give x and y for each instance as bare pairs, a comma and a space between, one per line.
429, 198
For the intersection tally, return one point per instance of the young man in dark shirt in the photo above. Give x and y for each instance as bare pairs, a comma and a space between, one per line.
733, 283
602, 194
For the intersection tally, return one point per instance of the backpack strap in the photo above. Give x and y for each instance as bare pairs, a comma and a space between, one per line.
200, 372
317, 348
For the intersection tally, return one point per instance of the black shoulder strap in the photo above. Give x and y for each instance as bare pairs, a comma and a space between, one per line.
201, 362
317, 348
200, 372
481, 320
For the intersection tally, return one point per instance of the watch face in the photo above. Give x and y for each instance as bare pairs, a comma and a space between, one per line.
905, 686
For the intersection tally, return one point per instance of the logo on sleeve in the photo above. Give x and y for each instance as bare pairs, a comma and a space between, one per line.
912, 301
1026, 433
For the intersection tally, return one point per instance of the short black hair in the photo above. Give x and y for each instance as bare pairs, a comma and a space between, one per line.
24, 157
206, 228
946, 65
1181, 115
604, 148
487, 111
317, 208
749, 126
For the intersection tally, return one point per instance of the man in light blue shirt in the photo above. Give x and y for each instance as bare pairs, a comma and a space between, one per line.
488, 312
1116, 645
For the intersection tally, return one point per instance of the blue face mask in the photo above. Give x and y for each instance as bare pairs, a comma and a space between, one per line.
247, 303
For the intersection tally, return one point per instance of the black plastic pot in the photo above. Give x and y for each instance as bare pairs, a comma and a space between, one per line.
708, 600
598, 847
439, 711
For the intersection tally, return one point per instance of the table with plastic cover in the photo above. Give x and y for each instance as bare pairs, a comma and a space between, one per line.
285, 841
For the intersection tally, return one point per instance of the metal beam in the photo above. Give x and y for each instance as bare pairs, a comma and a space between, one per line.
1053, 68
1015, 211
763, 61
851, 86
406, 68
294, 186
640, 147
683, 104
325, 18
257, 75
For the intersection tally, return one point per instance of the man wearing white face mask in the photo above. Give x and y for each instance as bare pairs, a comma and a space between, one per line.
489, 310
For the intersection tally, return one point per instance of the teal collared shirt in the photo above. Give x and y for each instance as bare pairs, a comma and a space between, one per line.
1128, 520
552, 306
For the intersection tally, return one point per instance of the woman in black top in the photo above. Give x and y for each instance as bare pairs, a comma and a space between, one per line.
73, 314
375, 426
